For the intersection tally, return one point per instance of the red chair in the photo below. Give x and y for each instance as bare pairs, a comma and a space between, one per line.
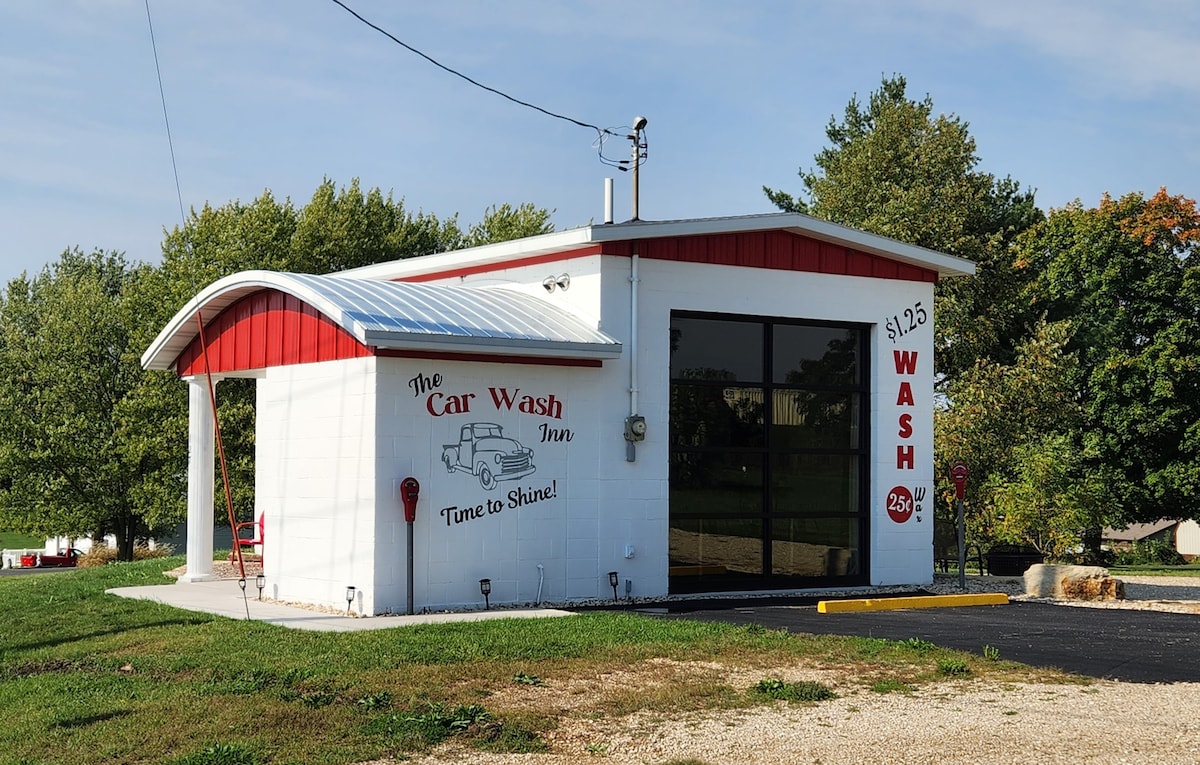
252, 542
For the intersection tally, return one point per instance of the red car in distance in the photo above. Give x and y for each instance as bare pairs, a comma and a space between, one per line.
64, 558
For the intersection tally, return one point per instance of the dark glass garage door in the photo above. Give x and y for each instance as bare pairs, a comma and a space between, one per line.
769, 453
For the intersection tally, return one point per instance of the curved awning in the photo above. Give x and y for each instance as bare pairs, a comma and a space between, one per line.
402, 316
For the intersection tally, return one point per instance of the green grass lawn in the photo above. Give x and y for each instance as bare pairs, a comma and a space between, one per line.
1192, 569
13, 541
87, 677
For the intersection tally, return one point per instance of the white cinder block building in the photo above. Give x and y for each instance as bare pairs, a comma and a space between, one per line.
732, 404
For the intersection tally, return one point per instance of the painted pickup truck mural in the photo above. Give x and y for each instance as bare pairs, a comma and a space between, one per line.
484, 452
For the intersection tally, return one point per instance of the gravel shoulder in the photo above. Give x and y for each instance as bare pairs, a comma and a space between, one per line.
1048, 724
968, 721
1100, 722
1174, 594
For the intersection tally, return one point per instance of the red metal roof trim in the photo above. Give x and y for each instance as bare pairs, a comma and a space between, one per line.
778, 250
485, 268
268, 329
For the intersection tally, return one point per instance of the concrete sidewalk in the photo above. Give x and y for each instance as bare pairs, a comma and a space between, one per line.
225, 598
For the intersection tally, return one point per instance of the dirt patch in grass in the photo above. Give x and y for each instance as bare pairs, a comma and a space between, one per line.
584, 690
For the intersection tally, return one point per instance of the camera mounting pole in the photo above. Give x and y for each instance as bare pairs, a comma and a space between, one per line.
639, 124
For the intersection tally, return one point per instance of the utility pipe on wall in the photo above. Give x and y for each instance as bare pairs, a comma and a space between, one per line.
630, 445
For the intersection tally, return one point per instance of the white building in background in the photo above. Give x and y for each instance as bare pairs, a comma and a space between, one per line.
1183, 536
729, 404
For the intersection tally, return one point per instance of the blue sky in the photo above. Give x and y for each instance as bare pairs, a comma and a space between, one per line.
1070, 98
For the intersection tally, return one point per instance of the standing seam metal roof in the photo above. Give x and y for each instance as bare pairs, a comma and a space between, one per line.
403, 315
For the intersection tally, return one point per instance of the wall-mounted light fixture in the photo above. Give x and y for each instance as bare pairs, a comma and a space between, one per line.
613, 579
485, 588
350, 592
260, 582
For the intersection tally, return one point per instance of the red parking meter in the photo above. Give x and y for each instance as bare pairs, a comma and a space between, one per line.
958, 474
409, 491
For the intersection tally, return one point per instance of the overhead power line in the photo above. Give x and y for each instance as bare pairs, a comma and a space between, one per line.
166, 120
601, 131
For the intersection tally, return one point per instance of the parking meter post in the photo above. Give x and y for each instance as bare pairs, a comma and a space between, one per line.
410, 491
958, 474
410, 567
962, 548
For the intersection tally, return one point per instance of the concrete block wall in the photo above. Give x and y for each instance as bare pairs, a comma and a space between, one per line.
315, 481
336, 438
572, 515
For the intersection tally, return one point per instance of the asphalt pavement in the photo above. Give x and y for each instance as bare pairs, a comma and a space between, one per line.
32, 570
1116, 644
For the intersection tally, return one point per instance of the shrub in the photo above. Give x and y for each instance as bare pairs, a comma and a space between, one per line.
1150, 552
102, 555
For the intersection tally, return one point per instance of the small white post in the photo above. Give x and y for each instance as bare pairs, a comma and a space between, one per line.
608, 200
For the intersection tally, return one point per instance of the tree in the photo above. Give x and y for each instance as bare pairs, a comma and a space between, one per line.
1127, 276
92, 444
1051, 501
68, 363
1017, 426
895, 169
338, 229
505, 222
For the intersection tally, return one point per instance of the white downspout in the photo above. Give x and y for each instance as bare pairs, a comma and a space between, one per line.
631, 446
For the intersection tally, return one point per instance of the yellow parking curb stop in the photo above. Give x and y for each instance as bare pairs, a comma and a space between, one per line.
920, 601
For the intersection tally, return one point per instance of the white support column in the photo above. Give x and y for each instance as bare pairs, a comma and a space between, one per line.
201, 466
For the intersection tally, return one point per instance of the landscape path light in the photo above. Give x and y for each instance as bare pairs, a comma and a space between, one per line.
350, 591
485, 587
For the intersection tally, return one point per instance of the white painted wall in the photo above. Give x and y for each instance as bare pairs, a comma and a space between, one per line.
900, 553
335, 439
573, 514
314, 480
1187, 538
82, 544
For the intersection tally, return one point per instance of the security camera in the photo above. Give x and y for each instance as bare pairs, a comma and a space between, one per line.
639, 123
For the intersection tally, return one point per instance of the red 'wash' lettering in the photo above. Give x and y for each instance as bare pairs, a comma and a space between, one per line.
906, 362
